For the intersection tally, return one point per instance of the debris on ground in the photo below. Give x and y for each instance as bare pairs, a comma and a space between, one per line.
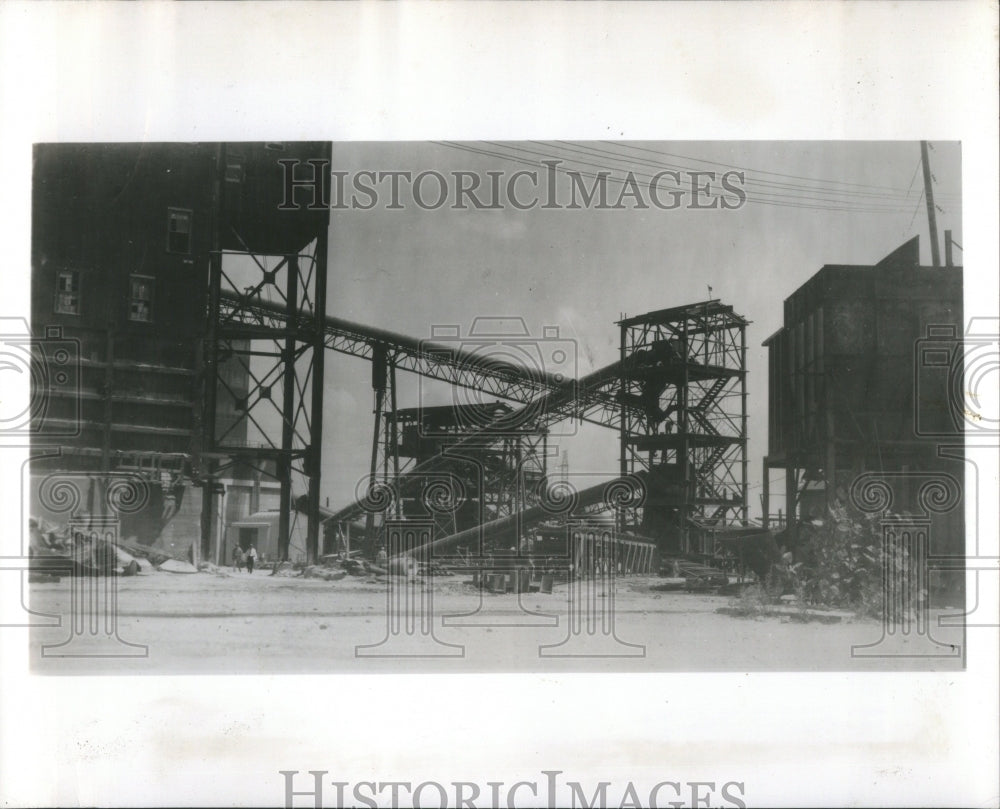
155, 556
55, 550
176, 566
335, 559
215, 570
286, 570
798, 614
402, 566
323, 572
670, 584
696, 576
736, 588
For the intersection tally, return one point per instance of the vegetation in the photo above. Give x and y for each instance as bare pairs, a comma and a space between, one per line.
838, 563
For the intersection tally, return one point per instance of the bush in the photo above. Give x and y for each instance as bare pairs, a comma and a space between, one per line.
752, 601
840, 563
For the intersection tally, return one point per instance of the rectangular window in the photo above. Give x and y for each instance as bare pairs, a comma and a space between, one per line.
235, 162
179, 230
67, 292
140, 304
234, 171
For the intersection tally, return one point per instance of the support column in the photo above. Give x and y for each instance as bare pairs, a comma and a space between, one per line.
378, 385
315, 457
830, 461
623, 387
791, 492
210, 369
766, 486
394, 443
744, 512
288, 407
683, 451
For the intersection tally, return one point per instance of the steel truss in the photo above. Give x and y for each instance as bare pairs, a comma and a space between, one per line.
684, 419
282, 362
485, 478
592, 399
546, 399
700, 463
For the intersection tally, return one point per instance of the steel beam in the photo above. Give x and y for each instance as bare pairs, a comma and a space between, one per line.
315, 457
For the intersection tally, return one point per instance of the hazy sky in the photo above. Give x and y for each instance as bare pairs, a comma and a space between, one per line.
808, 204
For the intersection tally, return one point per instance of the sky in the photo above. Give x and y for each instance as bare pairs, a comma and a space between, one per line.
409, 269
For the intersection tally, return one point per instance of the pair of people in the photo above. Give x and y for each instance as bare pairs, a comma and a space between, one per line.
240, 557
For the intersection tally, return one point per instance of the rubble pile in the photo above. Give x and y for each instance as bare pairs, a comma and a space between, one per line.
56, 551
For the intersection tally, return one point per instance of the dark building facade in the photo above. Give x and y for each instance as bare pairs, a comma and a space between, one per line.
848, 394
122, 240
117, 234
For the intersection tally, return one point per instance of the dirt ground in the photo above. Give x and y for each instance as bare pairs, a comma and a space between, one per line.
228, 622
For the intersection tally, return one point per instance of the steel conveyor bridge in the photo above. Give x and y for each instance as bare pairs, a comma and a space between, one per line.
251, 318
546, 399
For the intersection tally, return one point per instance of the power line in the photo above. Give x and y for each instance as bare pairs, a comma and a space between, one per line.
591, 151
919, 200
758, 171
916, 168
609, 177
871, 206
841, 206
778, 200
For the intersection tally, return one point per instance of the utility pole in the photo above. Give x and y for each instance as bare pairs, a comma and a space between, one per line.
929, 196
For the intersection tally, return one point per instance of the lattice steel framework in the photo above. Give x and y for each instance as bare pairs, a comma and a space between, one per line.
683, 397
546, 399
486, 477
697, 472
592, 398
279, 407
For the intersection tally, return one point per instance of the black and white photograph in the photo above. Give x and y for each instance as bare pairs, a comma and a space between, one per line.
635, 457
359, 459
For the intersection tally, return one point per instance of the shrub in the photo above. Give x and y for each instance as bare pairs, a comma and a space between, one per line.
841, 563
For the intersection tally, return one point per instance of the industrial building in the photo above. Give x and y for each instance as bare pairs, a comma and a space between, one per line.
197, 295
849, 391
127, 248
190, 279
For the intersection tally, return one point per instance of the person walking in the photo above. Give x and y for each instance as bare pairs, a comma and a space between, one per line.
251, 558
238, 558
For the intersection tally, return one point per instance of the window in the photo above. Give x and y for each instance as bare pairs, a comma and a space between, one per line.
67, 292
234, 170
235, 162
140, 298
178, 230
